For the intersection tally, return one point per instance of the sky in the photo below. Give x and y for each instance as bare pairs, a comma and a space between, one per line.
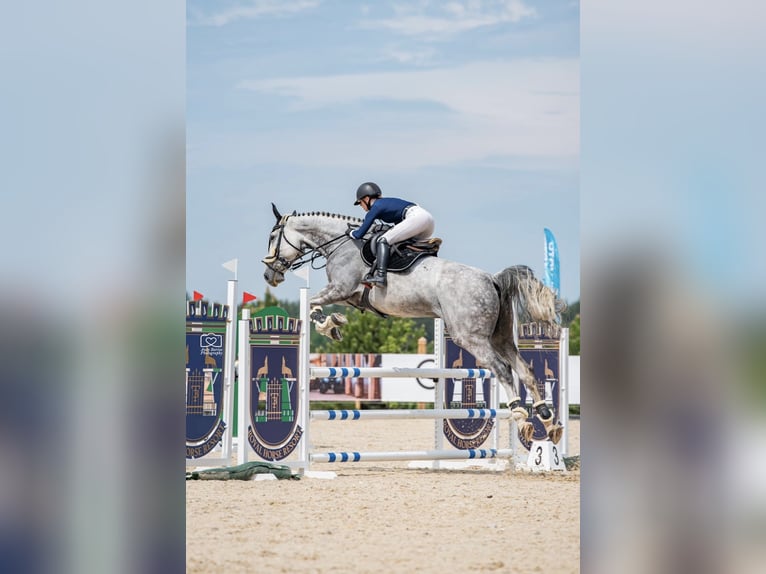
470, 109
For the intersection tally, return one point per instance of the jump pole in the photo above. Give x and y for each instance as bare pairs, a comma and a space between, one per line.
439, 353
304, 378
355, 415
413, 455
244, 386
229, 358
564, 392
402, 372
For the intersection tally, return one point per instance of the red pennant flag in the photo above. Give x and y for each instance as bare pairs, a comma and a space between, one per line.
247, 297
198, 296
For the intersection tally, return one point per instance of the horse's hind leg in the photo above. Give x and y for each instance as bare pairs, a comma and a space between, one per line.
504, 375
486, 356
527, 377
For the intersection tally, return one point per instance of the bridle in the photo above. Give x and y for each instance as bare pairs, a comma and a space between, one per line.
279, 264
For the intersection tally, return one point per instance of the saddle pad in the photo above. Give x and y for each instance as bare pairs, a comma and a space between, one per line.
401, 259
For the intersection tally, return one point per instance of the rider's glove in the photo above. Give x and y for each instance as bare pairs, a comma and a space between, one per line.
350, 232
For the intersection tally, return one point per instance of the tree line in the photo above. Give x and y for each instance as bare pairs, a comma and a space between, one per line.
369, 333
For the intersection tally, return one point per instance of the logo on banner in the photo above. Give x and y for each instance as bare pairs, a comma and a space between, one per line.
211, 341
274, 432
466, 433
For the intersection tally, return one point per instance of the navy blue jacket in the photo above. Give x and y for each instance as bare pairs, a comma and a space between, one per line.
388, 209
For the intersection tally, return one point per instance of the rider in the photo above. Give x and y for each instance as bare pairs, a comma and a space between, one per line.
409, 219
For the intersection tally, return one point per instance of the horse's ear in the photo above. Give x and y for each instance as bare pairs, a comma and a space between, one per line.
276, 211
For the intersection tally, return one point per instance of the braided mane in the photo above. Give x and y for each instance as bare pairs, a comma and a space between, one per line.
332, 215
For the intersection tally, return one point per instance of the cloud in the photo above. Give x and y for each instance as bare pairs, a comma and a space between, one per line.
720, 31
544, 91
409, 57
251, 10
471, 114
451, 18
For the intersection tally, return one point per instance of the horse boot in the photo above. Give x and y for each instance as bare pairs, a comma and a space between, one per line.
520, 415
381, 264
554, 431
328, 326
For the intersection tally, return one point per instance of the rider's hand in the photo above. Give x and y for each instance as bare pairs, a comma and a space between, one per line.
350, 232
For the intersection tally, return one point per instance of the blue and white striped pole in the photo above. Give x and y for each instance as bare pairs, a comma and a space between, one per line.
400, 372
469, 454
355, 415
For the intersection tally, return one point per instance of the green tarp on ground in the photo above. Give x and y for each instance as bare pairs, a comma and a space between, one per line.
243, 472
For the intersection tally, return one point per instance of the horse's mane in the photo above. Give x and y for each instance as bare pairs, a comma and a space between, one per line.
331, 215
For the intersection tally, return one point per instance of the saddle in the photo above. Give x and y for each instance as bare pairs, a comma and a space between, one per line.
404, 254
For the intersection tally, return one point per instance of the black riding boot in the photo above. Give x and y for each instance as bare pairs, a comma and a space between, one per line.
381, 263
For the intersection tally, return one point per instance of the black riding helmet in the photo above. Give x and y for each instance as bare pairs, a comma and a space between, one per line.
367, 189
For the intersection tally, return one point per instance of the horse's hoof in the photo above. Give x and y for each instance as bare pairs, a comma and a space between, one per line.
339, 319
317, 316
526, 430
555, 434
335, 334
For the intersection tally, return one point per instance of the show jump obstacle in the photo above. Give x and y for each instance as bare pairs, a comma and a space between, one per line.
274, 357
274, 419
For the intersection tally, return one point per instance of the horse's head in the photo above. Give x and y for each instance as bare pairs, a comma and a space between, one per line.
284, 248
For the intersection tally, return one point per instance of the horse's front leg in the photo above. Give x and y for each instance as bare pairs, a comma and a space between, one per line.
329, 326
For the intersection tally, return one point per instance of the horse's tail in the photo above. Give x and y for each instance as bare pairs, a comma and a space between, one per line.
523, 297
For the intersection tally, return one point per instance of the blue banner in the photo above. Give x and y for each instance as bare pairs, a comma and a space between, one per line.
551, 278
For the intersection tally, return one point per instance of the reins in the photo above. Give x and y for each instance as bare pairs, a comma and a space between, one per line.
315, 252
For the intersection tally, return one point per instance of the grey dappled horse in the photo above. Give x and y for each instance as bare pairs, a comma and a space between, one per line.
477, 308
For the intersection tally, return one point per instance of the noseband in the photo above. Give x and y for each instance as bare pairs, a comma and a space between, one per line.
276, 262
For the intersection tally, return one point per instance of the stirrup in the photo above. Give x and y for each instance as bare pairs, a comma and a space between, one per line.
378, 281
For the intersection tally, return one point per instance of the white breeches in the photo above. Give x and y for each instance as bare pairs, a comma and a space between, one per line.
417, 223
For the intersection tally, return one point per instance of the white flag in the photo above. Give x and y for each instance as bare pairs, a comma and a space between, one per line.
231, 266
